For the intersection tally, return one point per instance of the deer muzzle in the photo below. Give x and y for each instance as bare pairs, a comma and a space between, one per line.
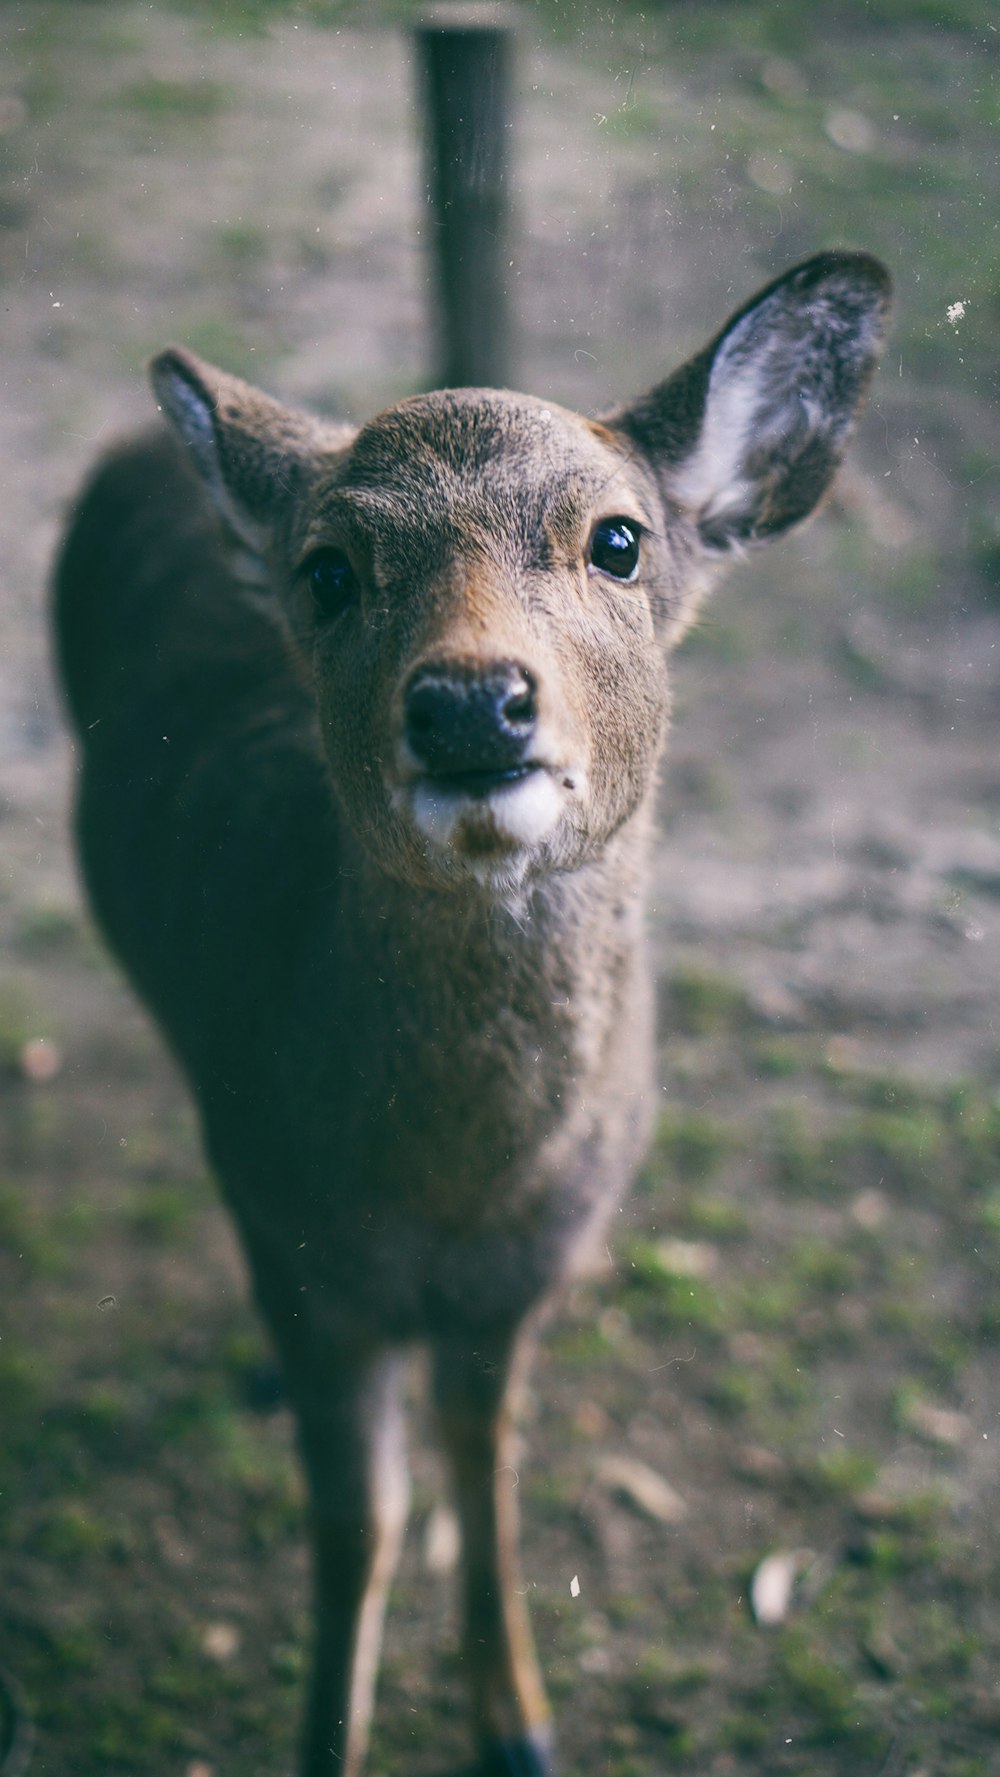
478, 772
470, 727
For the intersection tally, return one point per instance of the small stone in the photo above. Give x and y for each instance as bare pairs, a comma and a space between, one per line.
40, 1061
687, 1258
442, 1541
773, 1583
850, 130
595, 1661
221, 1642
936, 1425
758, 1464
870, 1209
775, 1006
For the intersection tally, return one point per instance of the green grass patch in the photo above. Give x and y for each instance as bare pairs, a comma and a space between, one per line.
184, 102
824, 1695
691, 1144
714, 1218
49, 931
663, 1297
778, 1058
15, 1026
700, 1002
841, 1473
897, 1150
163, 1214
244, 245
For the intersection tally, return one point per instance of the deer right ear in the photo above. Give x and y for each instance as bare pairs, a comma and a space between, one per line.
250, 451
748, 434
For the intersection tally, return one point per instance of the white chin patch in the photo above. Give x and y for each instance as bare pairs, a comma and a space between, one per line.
516, 816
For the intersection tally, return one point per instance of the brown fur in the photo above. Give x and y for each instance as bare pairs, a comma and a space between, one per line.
417, 1023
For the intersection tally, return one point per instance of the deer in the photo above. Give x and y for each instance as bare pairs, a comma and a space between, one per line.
369, 723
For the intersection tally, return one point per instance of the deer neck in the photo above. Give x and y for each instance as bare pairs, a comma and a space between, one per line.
562, 927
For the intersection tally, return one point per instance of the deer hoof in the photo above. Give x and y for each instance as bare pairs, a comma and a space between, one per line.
527, 1756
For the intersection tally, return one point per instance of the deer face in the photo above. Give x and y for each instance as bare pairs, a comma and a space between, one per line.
487, 588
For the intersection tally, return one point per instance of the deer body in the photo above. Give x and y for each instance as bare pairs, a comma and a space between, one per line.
371, 724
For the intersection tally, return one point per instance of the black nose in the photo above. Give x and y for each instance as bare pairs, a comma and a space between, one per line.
462, 718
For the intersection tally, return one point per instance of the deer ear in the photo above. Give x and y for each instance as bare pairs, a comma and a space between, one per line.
250, 451
748, 434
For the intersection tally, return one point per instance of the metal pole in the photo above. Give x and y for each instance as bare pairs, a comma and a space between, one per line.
465, 54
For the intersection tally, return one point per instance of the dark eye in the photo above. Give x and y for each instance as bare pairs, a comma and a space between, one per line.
332, 580
614, 548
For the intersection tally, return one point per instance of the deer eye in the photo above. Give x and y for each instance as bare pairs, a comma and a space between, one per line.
331, 580
614, 547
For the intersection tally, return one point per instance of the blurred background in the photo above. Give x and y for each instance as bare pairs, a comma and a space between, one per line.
792, 1359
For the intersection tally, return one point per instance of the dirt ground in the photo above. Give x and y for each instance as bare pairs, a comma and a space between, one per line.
794, 1353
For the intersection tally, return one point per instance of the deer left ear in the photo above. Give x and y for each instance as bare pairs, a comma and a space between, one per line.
749, 433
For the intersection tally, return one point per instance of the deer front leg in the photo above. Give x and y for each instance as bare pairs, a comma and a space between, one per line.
353, 1449
472, 1386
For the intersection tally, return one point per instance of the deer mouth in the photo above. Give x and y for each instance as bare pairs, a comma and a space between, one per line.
474, 814
479, 782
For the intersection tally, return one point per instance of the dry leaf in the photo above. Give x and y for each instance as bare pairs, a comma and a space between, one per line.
644, 1487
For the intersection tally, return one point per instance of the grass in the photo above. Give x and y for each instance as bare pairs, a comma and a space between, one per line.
73, 1463
887, 1637
181, 102
692, 1145
848, 1220
821, 1685
15, 1025
698, 1001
